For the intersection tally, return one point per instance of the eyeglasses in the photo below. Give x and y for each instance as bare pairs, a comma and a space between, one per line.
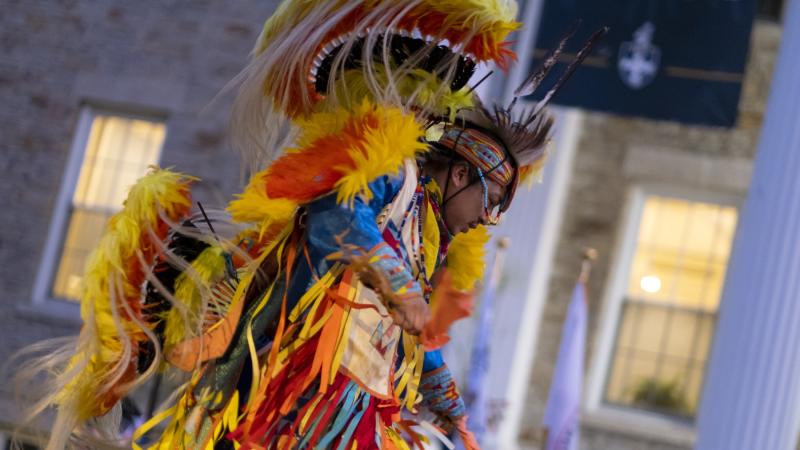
492, 213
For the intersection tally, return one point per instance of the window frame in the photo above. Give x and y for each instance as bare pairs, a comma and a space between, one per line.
43, 304
627, 419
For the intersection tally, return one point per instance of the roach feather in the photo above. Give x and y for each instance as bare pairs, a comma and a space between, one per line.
532, 83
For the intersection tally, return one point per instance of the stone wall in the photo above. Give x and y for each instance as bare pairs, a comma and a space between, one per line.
594, 214
171, 56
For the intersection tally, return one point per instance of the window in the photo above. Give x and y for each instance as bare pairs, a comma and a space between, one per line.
670, 296
113, 151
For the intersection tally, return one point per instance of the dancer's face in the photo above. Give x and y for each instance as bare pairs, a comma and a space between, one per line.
464, 202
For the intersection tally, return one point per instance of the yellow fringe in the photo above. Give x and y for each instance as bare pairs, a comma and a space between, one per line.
396, 439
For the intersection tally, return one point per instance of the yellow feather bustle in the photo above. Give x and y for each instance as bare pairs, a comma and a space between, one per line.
110, 305
463, 11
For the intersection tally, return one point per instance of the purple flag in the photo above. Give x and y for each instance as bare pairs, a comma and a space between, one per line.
562, 416
476, 394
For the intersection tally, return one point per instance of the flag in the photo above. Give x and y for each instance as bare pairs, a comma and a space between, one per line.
476, 394
562, 415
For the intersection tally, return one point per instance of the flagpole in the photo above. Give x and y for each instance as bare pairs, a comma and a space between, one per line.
545, 432
589, 255
499, 260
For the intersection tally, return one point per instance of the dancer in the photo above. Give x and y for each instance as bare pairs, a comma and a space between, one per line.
316, 322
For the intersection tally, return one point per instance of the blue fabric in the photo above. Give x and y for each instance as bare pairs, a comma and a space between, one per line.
438, 388
357, 225
346, 406
325, 220
433, 360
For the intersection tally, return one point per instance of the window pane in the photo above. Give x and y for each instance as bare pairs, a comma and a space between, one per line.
668, 314
682, 252
118, 151
117, 154
84, 229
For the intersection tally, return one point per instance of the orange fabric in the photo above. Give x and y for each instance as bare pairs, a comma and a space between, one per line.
467, 438
212, 344
448, 305
327, 349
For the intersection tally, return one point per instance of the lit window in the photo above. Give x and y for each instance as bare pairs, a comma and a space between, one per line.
668, 313
117, 152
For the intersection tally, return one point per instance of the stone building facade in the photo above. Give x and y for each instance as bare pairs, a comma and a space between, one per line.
615, 156
164, 59
168, 59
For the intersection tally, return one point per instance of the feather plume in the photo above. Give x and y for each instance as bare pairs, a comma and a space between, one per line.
533, 81
102, 367
582, 54
465, 257
342, 151
279, 85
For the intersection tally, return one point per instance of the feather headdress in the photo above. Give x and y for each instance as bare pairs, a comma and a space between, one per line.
523, 133
320, 56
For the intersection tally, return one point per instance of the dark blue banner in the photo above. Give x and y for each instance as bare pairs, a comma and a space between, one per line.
680, 60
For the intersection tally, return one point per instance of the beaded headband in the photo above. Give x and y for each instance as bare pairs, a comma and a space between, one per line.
482, 151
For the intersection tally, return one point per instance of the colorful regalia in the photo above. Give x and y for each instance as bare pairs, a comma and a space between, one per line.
284, 343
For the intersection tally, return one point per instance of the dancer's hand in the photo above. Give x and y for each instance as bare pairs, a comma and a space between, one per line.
449, 305
410, 313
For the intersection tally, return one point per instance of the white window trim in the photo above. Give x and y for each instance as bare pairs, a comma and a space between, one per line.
596, 412
42, 304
